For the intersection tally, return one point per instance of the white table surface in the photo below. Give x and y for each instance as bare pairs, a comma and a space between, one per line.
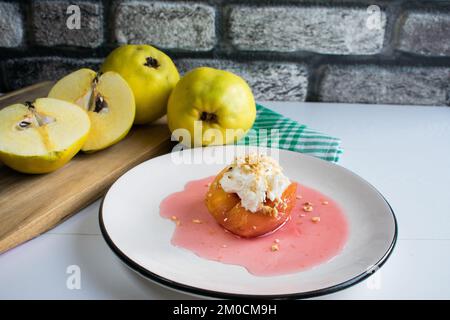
403, 151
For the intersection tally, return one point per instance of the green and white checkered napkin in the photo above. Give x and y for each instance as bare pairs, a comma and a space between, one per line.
291, 136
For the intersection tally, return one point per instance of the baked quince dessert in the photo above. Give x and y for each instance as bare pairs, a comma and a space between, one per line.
251, 196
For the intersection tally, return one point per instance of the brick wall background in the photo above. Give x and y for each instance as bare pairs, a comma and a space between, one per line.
296, 50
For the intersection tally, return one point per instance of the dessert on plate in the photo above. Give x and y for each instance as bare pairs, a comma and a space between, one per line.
251, 197
251, 214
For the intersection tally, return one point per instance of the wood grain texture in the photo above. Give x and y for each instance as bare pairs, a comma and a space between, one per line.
33, 204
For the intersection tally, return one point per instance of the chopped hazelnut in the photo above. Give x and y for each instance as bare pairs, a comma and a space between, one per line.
196, 221
176, 220
275, 247
307, 208
315, 219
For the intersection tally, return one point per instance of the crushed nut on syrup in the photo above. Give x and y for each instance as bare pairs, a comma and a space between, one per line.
175, 219
275, 247
324, 202
315, 219
307, 208
196, 221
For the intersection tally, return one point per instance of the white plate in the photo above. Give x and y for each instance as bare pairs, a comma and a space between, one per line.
132, 227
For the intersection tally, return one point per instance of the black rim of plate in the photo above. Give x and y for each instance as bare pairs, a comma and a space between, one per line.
225, 295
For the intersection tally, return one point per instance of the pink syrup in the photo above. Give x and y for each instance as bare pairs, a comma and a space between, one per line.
302, 243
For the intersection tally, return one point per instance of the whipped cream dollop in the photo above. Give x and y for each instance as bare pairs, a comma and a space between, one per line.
255, 178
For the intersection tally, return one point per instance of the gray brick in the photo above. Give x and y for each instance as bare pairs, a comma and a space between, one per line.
49, 24
11, 25
26, 71
385, 85
268, 80
426, 33
328, 30
188, 26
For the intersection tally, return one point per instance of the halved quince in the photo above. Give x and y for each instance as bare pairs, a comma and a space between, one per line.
108, 100
43, 136
227, 210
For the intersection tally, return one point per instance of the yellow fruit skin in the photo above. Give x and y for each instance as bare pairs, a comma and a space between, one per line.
213, 91
42, 164
120, 138
151, 86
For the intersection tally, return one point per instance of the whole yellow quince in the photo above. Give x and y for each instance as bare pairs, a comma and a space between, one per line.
150, 73
214, 106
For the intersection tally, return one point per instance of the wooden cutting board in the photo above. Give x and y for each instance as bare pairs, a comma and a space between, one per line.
33, 204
